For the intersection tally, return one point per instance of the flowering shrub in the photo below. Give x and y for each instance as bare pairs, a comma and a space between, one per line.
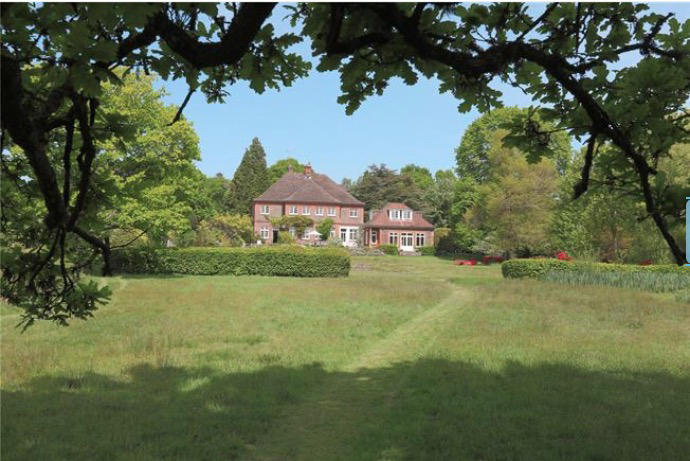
563, 256
486, 260
646, 262
465, 262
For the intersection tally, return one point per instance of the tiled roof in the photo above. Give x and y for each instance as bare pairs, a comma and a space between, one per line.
303, 188
380, 219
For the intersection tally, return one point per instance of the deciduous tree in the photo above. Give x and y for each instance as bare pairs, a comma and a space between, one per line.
282, 166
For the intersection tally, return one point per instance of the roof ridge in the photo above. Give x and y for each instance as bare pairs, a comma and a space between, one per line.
323, 188
302, 185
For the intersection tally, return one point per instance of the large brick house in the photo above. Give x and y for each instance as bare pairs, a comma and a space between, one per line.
397, 224
313, 195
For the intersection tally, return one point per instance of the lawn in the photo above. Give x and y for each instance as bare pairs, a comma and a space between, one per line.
406, 359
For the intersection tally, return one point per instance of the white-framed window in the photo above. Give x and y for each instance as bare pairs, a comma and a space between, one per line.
293, 231
394, 214
392, 238
264, 232
343, 234
406, 239
332, 232
319, 211
374, 236
293, 209
353, 212
307, 234
353, 234
420, 239
407, 215
331, 211
265, 209
305, 210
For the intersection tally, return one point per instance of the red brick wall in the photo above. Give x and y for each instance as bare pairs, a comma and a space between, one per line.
342, 215
384, 234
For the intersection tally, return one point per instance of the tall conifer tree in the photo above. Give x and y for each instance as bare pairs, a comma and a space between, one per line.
251, 178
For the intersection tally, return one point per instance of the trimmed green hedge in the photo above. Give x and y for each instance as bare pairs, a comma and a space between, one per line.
661, 278
533, 268
538, 268
290, 261
389, 249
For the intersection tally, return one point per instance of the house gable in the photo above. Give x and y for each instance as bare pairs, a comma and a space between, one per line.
385, 218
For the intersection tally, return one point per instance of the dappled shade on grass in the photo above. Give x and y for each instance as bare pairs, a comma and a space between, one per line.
406, 359
430, 409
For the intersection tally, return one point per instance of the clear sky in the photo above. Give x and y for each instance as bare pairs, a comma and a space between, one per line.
408, 124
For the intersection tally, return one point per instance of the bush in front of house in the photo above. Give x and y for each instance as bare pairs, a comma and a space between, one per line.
659, 278
389, 249
285, 238
290, 261
427, 251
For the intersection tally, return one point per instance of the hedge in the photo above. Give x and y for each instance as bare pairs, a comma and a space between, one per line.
662, 278
290, 261
538, 268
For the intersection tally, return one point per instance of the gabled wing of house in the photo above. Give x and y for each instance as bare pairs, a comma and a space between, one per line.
381, 219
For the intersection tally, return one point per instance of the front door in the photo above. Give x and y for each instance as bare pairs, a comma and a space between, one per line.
406, 243
349, 235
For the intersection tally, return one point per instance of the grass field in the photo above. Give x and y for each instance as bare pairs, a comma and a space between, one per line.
406, 359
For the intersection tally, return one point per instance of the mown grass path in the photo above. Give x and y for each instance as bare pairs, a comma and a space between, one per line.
406, 359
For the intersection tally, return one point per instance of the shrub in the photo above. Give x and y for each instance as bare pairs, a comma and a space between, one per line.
439, 233
225, 230
650, 278
532, 268
427, 250
389, 249
283, 261
487, 259
324, 228
285, 237
563, 256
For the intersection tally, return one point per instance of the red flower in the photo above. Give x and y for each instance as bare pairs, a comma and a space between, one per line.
465, 262
563, 256
646, 262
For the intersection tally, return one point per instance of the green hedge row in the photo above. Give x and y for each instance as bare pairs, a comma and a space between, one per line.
539, 268
290, 261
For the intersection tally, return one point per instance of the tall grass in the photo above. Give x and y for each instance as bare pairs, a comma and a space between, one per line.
406, 359
656, 282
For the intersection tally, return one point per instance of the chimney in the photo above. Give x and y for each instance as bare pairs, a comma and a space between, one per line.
308, 169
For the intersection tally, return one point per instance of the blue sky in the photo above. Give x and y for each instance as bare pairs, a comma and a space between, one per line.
408, 124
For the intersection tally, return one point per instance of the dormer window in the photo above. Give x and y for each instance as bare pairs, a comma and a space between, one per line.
394, 214
407, 215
